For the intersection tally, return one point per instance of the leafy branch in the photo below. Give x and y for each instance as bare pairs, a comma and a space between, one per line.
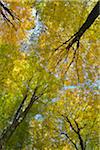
19, 116
77, 36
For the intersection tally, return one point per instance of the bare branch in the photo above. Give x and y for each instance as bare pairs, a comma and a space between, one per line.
7, 10
70, 139
72, 127
76, 131
7, 14
79, 136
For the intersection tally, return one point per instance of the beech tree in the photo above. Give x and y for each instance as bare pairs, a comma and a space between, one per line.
49, 74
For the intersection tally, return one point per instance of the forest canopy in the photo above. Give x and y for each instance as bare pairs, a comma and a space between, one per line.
49, 75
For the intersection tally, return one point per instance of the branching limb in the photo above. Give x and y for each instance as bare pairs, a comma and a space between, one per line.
7, 14
79, 135
70, 140
89, 21
69, 122
7, 10
76, 131
76, 37
20, 116
74, 56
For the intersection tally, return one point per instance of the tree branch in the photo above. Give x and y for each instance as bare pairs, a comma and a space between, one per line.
76, 131
70, 139
89, 21
7, 14
76, 37
72, 127
19, 117
7, 10
79, 136
86, 25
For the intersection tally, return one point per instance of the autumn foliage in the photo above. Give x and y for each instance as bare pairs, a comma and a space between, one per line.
49, 78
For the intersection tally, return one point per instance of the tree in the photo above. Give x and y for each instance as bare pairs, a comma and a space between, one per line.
31, 79
89, 21
73, 118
